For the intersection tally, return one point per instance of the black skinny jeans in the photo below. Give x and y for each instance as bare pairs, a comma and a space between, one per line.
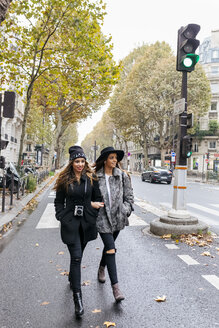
76, 253
107, 259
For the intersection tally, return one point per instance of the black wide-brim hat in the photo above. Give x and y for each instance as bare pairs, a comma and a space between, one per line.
110, 150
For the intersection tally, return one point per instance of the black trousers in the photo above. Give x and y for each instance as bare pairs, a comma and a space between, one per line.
76, 252
107, 259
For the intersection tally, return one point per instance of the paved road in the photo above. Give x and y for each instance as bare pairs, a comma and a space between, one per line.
202, 199
32, 266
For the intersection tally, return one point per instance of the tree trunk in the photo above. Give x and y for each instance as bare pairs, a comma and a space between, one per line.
162, 156
4, 4
26, 111
145, 151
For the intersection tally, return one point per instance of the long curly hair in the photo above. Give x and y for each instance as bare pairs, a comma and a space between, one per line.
67, 176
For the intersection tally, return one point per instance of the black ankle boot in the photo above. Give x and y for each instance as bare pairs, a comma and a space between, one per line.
79, 309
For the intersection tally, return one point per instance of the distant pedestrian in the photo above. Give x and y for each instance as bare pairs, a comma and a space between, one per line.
77, 202
117, 193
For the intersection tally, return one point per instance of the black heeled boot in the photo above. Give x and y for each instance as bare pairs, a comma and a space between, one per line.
79, 309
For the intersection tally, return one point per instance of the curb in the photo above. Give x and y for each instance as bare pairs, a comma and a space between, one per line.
13, 213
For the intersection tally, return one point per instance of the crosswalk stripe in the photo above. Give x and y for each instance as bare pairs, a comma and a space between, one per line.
214, 280
48, 219
171, 246
203, 208
205, 219
135, 220
188, 259
215, 205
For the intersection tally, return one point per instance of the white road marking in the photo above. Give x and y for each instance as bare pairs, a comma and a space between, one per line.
171, 246
205, 219
215, 205
48, 219
214, 280
188, 259
52, 194
203, 208
135, 220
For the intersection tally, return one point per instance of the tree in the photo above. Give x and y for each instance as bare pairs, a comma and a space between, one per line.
102, 133
149, 92
4, 5
45, 36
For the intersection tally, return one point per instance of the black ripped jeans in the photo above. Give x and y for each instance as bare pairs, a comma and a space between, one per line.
107, 259
76, 253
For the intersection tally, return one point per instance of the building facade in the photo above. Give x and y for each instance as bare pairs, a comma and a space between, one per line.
205, 154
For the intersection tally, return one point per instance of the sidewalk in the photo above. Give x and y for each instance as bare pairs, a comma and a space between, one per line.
18, 204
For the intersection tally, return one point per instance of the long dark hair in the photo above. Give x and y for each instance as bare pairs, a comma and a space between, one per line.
67, 176
98, 165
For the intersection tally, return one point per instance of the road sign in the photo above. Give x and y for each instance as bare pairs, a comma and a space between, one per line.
179, 106
173, 153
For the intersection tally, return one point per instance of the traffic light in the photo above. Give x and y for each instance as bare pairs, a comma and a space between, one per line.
9, 104
207, 155
2, 162
190, 120
186, 47
186, 146
4, 144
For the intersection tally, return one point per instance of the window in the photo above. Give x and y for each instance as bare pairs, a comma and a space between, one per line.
215, 54
214, 69
28, 148
213, 106
215, 88
212, 144
195, 148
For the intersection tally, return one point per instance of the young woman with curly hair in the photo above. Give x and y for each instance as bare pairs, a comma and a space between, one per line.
77, 202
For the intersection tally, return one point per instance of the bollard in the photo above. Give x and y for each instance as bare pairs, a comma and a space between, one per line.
18, 188
12, 188
23, 187
3, 193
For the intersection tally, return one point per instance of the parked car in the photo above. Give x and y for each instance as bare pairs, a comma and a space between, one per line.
157, 174
9, 169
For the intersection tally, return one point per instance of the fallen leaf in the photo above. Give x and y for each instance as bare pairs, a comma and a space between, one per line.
86, 283
160, 299
96, 311
45, 303
64, 273
61, 253
206, 254
109, 324
83, 266
97, 247
50, 261
59, 269
37, 245
168, 236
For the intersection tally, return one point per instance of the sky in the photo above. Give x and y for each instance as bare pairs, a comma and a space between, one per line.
133, 22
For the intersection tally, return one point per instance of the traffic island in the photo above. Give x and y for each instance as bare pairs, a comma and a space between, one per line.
167, 225
178, 220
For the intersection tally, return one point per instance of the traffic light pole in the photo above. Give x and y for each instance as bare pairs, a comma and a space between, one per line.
179, 205
178, 220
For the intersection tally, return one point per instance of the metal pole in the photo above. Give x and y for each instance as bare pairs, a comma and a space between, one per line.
3, 192
179, 204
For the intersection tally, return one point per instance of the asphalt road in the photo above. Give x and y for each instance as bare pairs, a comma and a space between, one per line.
202, 199
36, 294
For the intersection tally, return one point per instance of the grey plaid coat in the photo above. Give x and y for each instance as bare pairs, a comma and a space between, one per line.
116, 218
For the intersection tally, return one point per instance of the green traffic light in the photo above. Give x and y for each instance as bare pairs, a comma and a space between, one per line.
190, 60
189, 154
